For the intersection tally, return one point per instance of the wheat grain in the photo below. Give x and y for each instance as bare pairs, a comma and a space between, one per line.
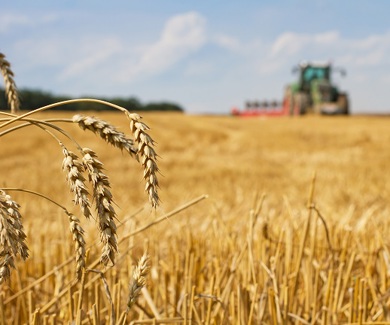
78, 238
12, 236
147, 156
74, 169
103, 201
139, 280
106, 131
10, 86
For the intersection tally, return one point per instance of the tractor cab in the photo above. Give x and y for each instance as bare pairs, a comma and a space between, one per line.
309, 72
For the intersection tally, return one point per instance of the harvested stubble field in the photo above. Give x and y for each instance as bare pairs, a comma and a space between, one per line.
294, 229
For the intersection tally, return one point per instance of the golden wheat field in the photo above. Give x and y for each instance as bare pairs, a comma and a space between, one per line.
261, 221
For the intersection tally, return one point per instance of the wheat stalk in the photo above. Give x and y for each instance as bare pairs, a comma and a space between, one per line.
139, 280
74, 169
10, 86
104, 205
12, 236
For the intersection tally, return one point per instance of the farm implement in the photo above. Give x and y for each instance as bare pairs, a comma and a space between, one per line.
313, 92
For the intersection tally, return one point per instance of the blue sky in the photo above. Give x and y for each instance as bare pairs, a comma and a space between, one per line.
206, 55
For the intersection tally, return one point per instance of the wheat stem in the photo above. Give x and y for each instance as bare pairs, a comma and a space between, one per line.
62, 103
40, 123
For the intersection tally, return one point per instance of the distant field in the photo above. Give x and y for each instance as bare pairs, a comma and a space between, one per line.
253, 252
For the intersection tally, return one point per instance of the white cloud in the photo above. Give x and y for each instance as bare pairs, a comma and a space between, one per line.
201, 68
369, 42
368, 52
227, 42
43, 51
89, 57
94, 54
182, 35
294, 47
10, 20
290, 43
327, 38
49, 18
370, 58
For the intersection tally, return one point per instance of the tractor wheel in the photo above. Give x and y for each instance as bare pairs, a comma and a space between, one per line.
301, 101
343, 103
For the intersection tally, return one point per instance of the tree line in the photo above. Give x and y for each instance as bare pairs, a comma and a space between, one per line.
31, 99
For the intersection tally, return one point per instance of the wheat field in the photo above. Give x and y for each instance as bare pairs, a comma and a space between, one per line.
260, 221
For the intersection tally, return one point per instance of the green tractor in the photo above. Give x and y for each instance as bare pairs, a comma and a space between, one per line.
314, 91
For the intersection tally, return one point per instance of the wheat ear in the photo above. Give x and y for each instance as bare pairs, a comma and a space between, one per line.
12, 236
10, 86
138, 281
104, 205
106, 131
76, 180
78, 238
147, 156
